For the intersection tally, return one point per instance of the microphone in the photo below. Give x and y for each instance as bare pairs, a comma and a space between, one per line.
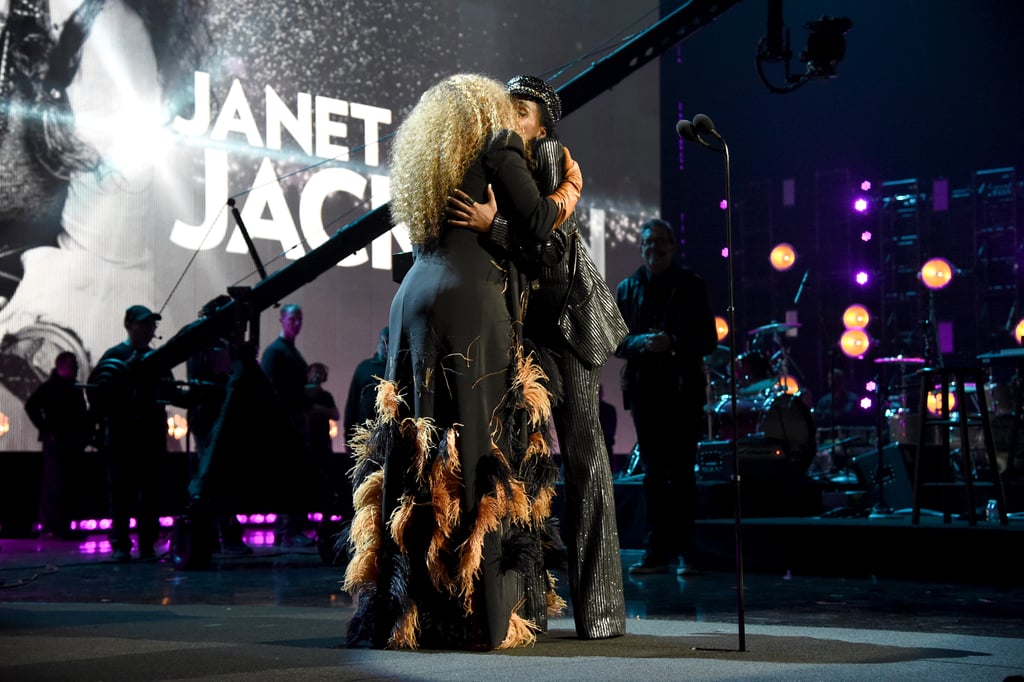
688, 131
800, 289
685, 130
703, 124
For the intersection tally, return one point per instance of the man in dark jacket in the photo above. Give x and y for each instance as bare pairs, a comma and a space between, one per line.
57, 408
131, 405
671, 328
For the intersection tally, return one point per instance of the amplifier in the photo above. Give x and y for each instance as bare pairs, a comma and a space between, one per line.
760, 458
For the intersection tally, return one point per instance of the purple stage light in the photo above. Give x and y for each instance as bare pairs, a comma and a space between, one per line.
866, 236
860, 205
865, 186
871, 386
723, 204
861, 278
865, 403
725, 252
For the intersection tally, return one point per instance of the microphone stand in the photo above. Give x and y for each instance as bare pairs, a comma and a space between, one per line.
692, 131
737, 479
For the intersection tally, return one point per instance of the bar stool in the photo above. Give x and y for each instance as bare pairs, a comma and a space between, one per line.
943, 379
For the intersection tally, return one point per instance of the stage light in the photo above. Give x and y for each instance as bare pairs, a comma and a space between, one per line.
725, 252
723, 204
865, 186
936, 273
860, 205
866, 403
783, 256
1018, 332
856, 317
333, 432
177, 427
5, 424
862, 278
935, 402
866, 236
787, 384
721, 327
826, 46
854, 343
871, 386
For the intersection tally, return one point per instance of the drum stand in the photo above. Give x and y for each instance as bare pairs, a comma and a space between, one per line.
881, 509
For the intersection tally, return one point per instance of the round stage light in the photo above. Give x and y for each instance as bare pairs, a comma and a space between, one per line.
722, 327
935, 402
1018, 332
936, 273
856, 317
787, 384
854, 342
783, 257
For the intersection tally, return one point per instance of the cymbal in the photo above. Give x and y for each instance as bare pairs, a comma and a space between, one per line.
1004, 353
901, 360
718, 357
773, 328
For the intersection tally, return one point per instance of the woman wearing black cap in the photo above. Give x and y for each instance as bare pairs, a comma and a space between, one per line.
572, 312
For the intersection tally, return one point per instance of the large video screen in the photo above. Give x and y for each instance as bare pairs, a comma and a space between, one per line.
127, 125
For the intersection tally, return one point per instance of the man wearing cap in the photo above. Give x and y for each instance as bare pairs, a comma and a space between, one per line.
134, 425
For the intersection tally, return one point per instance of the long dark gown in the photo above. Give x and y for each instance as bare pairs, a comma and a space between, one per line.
454, 479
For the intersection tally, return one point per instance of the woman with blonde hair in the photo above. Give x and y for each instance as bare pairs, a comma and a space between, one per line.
454, 476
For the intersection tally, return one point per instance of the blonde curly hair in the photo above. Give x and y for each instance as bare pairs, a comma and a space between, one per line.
437, 142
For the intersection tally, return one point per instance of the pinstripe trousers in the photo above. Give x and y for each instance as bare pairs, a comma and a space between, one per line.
590, 531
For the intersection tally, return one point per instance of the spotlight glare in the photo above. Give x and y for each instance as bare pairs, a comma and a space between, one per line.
934, 402
723, 204
782, 257
725, 252
856, 316
861, 278
860, 205
865, 186
854, 343
721, 327
936, 273
866, 236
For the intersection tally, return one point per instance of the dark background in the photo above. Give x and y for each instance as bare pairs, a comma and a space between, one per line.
927, 90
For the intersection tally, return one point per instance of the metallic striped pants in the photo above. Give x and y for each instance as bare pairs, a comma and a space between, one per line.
589, 527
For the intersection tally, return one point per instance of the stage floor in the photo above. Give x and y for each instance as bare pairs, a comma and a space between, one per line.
68, 612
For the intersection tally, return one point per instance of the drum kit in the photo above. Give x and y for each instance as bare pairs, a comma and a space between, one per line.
766, 405
1000, 398
769, 405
